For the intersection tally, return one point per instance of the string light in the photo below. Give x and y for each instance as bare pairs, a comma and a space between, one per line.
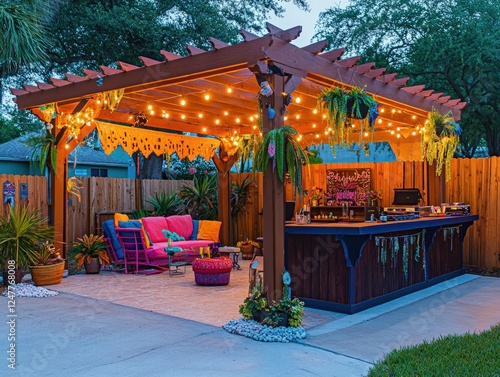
207, 97
314, 125
150, 107
217, 121
200, 115
229, 89
183, 116
183, 102
238, 120
226, 113
297, 100
204, 129
315, 111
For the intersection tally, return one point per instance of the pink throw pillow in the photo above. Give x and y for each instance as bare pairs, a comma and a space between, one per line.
181, 224
154, 226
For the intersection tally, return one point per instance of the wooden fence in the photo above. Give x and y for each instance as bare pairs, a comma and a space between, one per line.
474, 181
37, 193
101, 197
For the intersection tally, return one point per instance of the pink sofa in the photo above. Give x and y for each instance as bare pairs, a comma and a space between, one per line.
182, 225
134, 245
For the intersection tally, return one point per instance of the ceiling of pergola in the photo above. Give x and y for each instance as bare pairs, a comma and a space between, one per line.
220, 91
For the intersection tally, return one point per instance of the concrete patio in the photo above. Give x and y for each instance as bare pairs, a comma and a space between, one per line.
156, 325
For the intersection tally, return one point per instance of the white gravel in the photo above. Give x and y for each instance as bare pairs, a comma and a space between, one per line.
29, 290
264, 333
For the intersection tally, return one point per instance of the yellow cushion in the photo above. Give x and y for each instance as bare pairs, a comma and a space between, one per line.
120, 217
146, 236
209, 230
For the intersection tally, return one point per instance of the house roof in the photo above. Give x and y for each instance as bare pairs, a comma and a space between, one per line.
216, 92
16, 150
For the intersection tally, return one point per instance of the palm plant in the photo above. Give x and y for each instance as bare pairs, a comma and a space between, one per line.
21, 234
239, 197
22, 30
165, 205
200, 200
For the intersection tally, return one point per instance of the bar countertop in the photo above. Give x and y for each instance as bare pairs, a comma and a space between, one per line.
370, 227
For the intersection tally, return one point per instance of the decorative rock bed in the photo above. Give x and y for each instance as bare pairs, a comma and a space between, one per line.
29, 290
264, 333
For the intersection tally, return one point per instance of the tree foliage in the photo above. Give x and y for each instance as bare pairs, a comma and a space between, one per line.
450, 46
90, 33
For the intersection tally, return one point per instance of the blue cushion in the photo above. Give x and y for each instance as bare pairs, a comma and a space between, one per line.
196, 226
108, 229
130, 224
172, 235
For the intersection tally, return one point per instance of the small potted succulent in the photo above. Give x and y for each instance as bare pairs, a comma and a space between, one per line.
92, 253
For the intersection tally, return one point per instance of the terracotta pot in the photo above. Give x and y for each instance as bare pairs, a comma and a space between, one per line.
93, 267
18, 277
246, 251
47, 275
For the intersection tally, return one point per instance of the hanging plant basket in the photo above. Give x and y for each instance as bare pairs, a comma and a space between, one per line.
357, 112
439, 140
281, 148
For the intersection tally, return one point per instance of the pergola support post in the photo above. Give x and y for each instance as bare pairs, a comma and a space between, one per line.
224, 189
274, 200
59, 198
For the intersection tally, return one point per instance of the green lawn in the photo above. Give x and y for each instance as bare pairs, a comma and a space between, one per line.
474, 355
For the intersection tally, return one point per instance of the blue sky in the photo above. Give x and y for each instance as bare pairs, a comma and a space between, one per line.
307, 20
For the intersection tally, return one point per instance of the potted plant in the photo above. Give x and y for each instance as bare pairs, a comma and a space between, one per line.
314, 195
21, 232
49, 269
285, 312
44, 150
91, 253
277, 144
254, 303
439, 140
246, 248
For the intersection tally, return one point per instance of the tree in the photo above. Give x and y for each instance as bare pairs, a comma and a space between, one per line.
451, 46
23, 35
89, 33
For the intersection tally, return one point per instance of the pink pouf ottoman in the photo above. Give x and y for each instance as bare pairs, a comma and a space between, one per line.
212, 271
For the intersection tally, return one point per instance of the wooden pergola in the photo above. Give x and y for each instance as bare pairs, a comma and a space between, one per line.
214, 95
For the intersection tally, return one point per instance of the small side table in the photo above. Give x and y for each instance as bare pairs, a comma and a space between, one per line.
232, 251
180, 262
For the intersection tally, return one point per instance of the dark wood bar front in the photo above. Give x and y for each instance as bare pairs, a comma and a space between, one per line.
349, 267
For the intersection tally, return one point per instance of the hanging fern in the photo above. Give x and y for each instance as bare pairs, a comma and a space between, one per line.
44, 151
343, 106
439, 140
280, 145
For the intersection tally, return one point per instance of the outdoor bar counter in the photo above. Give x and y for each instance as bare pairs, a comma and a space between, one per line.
349, 267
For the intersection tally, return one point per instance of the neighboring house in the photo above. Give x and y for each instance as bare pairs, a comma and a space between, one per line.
15, 158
